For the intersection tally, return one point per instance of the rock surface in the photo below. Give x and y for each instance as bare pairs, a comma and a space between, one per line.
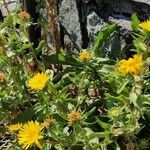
81, 20
100, 12
69, 19
10, 5
143, 1
94, 25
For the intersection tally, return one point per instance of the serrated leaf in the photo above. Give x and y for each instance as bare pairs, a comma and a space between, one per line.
114, 99
123, 85
40, 47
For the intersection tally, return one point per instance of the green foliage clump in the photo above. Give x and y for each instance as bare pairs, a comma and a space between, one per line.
90, 104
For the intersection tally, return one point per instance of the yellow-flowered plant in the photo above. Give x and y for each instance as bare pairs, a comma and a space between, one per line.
47, 122
73, 116
38, 81
85, 55
113, 106
24, 15
15, 127
132, 66
30, 134
145, 25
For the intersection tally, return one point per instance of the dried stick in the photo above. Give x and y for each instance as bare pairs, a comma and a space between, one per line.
51, 6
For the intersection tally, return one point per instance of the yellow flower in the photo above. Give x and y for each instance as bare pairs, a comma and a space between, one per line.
24, 15
14, 127
73, 116
131, 66
85, 55
38, 81
47, 122
2, 77
114, 112
145, 25
30, 134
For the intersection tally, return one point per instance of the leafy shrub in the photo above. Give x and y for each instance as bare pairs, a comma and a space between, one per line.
93, 103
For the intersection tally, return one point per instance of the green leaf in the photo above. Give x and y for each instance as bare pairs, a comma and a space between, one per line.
61, 59
24, 116
114, 99
40, 47
123, 85
67, 70
2, 130
133, 98
135, 22
101, 37
8, 21
89, 112
104, 125
97, 135
62, 109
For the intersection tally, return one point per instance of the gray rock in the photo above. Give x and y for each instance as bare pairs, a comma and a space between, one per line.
69, 46
94, 25
123, 23
143, 1
126, 7
121, 6
69, 19
10, 5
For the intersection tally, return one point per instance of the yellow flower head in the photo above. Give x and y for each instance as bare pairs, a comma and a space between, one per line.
24, 15
30, 134
14, 127
114, 112
73, 116
47, 122
38, 81
131, 66
2, 77
145, 25
85, 55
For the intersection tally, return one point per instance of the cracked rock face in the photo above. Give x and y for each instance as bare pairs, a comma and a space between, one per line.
69, 19
94, 25
81, 20
118, 11
11, 5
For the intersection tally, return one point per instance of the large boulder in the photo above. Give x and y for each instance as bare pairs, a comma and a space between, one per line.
95, 13
69, 20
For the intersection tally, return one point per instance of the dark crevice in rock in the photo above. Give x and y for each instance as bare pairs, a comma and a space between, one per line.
142, 10
71, 38
93, 6
60, 27
121, 15
83, 24
34, 30
1, 16
103, 8
62, 34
